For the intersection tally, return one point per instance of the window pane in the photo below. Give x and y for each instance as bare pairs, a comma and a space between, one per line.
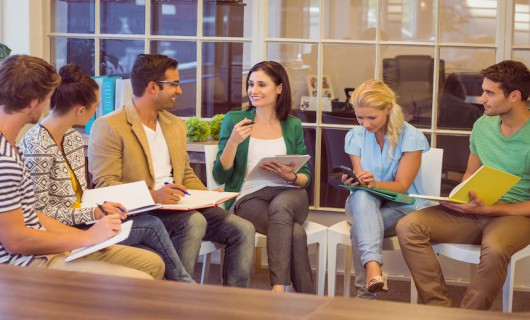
521, 24
185, 52
339, 79
408, 20
309, 139
352, 19
117, 56
294, 19
72, 17
409, 72
331, 195
459, 105
225, 19
123, 17
222, 77
522, 55
174, 17
468, 21
456, 153
80, 51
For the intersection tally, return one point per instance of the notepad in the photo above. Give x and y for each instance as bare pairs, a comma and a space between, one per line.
489, 184
134, 196
122, 235
199, 199
257, 173
385, 194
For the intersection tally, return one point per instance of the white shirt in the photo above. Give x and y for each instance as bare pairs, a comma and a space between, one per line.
257, 150
159, 155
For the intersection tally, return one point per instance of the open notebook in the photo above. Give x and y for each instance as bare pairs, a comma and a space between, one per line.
122, 235
134, 196
489, 184
199, 199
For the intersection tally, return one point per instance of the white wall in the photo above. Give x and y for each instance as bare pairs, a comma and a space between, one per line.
22, 26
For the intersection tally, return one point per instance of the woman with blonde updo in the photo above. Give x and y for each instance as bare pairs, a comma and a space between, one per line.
385, 153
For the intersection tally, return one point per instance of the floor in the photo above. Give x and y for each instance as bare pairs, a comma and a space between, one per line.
398, 290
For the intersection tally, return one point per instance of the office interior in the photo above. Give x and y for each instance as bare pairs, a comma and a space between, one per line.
429, 52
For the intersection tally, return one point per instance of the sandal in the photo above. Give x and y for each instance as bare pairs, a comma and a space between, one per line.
377, 284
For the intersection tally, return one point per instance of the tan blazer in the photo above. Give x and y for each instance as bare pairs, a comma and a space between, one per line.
118, 150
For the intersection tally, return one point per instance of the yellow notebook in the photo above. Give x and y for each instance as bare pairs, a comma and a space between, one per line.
488, 183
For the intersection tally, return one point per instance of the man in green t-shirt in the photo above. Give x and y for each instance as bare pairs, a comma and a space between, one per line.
500, 139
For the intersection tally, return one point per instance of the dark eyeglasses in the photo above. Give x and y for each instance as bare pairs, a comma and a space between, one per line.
171, 83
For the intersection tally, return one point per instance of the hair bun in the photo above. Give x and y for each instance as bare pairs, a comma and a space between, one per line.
70, 73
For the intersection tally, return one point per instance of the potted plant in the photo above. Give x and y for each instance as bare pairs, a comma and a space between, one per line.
198, 130
215, 125
4, 51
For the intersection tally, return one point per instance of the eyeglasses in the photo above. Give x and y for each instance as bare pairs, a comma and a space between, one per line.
171, 83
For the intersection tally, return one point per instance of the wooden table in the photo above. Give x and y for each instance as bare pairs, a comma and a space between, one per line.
50, 294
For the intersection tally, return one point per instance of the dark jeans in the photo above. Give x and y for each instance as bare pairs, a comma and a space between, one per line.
279, 213
149, 233
187, 229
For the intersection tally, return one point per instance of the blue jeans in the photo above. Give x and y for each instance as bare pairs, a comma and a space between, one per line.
187, 230
149, 233
372, 219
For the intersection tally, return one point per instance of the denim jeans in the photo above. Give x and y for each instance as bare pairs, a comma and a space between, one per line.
149, 233
187, 230
279, 213
372, 219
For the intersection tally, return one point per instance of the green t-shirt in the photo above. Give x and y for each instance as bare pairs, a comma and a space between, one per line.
510, 154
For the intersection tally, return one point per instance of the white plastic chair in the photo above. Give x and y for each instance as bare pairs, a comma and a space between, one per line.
470, 253
339, 233
316, 233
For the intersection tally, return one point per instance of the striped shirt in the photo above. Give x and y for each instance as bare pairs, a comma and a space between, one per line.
16, 192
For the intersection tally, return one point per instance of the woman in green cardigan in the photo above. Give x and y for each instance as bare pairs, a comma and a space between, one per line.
277, 207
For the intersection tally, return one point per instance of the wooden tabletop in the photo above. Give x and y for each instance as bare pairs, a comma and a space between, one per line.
50, 294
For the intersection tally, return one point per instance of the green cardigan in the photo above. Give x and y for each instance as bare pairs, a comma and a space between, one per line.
233, 177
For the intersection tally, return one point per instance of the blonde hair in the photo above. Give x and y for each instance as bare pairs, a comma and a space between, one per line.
376, 94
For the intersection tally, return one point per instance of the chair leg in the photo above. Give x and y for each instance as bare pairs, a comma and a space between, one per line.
257, 260
332, 266
507, 289
206, 258
321, 271
347, 270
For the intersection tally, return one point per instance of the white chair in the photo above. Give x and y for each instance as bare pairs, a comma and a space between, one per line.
316, 233
431, 171
470, 253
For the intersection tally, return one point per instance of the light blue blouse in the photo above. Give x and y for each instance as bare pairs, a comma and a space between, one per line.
360, 142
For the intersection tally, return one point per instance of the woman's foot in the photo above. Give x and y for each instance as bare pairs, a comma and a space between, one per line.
375, 280
279, 288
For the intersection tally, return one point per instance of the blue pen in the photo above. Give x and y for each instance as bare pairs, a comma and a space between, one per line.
185, 192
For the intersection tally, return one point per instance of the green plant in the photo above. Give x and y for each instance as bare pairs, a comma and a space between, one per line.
215, 125
198, 130
4, 51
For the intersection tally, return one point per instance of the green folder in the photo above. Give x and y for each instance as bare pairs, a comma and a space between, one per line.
385, 194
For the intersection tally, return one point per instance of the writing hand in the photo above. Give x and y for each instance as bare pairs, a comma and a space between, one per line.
104, 228
170, 193
110, 208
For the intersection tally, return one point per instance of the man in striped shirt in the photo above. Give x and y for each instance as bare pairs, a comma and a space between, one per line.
28, 237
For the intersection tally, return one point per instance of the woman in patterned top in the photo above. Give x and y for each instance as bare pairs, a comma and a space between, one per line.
54, 154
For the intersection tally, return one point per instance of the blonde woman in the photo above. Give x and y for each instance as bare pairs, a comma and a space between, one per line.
385, 152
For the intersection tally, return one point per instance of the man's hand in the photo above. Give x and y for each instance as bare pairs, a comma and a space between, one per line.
105, 228
171, 193
475, 206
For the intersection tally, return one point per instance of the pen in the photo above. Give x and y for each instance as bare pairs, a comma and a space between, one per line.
102, 209
247, 123
185, 192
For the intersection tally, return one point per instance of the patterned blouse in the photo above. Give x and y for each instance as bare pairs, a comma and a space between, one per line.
48, 167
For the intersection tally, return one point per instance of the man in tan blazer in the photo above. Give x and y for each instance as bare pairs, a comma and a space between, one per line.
143, 141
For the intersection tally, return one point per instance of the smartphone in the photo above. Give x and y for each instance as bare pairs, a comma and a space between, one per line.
350, 174
247, 123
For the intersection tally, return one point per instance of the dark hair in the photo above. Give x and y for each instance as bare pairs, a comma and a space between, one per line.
147, 68
76, 88
24, 79
512, 75
279, 76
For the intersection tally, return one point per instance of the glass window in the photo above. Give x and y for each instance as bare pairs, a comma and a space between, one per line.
408, 20
174, 17
521, 23
331, 195
185, 52
117, 56
523, 56
467, 21
294, 19
72, 16
351, 19
118, 17
225, 19
310, 143
456, 154
79, 51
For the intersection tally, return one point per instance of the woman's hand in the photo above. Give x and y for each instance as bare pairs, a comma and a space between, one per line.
110, 208
367, 179
347, 180
286, 172
241, 131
